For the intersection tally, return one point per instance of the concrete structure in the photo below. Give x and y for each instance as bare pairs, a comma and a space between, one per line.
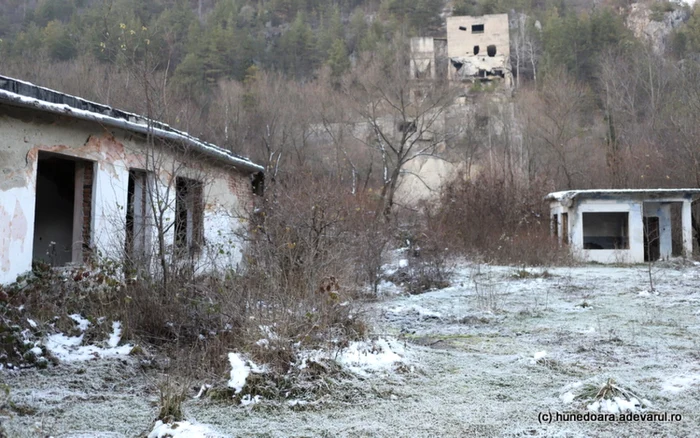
624, 226
79, 179
478, 47
428, 58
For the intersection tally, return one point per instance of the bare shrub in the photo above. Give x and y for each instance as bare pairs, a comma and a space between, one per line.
429, 263
499, 222
296, 290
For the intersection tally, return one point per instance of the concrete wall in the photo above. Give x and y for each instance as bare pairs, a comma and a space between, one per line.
635, 253
461, 41
637, 209
422, 61
24, 133
423, 178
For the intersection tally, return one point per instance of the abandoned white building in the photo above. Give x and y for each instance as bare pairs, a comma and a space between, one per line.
476, 48
78, 179
624, 226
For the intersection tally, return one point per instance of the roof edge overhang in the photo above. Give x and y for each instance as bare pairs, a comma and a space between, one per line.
650, 194
147, 128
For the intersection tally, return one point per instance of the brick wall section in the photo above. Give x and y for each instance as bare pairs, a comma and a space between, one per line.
87, 209
240, 185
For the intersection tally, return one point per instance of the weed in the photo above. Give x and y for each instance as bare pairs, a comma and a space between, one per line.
171, 395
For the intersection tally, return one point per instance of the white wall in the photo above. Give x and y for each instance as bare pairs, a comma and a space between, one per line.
227, 192
635, 253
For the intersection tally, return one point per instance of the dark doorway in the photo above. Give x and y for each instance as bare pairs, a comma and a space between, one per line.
652, 247
136, 215
565, 228
63, 209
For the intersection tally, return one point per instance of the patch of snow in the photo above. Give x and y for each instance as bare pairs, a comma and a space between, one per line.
567, 397
403, 263
36, 351
69, 348
615, 406
204, 388
81, 322
538, 355
363, 357
183, 429
32, 323
239, 372
262, 343
116, 334
247, 400
297, 403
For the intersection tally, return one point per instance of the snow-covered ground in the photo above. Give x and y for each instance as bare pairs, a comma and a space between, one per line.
480, 358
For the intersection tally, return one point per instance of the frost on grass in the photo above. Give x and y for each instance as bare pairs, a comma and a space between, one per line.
674, 385
183, 429
415, 309
71, 348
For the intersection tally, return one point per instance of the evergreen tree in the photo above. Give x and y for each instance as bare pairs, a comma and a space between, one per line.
338, 59
58, 41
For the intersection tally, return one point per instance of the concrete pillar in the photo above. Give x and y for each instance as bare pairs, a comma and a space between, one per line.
687, 229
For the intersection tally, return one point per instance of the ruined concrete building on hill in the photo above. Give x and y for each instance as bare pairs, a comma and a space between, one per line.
79, 179
476, 48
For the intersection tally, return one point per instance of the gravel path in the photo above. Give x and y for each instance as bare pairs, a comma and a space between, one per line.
472, 350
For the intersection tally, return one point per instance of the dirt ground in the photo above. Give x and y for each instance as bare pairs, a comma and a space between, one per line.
481, 358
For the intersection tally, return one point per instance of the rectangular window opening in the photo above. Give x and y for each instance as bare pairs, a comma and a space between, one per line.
606, 231
189, 214
477, 28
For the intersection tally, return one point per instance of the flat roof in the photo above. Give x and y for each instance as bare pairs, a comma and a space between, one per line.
27, 95
622, 193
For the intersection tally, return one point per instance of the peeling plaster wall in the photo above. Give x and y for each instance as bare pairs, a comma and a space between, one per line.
16, 223
23, 133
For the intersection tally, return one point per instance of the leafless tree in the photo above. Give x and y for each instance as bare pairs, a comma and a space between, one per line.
404, 120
